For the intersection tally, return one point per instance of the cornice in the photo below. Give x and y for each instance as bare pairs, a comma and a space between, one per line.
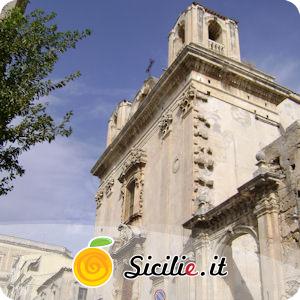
136, 159
207, 10
10, 240
170, 79
191, 58
237, 74
127, 247
241, 203
53, 278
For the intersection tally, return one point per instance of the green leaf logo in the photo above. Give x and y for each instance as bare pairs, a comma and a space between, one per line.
101, 241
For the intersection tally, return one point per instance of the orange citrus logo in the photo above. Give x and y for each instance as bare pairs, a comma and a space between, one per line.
93, 266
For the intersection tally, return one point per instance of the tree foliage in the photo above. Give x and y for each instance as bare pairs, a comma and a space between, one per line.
30, 46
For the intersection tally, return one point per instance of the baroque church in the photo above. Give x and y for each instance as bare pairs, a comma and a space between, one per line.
204, 161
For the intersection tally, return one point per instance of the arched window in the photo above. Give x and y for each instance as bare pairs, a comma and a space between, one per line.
215, 32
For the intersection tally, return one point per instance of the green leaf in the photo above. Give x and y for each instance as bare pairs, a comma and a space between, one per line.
101, 241
30, 47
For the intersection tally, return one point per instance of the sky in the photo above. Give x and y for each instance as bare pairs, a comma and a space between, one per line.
54, 201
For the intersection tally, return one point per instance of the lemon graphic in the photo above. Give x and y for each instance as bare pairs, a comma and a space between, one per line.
93, 266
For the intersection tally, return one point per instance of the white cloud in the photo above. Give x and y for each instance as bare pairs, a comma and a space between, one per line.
57, 184
285, 70
80, 88
57, 187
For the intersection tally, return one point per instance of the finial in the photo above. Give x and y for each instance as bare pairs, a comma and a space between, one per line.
260, 156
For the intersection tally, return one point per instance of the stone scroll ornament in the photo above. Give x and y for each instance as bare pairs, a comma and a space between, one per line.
93, 266
164, 124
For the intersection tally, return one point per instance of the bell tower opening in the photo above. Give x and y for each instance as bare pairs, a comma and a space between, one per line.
181, 32
203, 27
215, 32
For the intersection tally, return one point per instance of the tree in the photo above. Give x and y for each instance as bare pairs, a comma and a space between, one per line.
30, 46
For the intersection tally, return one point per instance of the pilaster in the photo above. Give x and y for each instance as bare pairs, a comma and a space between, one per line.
266, 211
203, 283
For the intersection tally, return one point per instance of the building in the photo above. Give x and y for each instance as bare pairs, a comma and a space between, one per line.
25, 265
204, 161
62, 285
12, 4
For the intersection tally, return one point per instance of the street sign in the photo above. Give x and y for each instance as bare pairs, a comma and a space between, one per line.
160, 295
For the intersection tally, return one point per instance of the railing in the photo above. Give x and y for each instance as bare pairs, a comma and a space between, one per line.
216, 47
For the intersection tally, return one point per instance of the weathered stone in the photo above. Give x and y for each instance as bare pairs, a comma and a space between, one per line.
203, 171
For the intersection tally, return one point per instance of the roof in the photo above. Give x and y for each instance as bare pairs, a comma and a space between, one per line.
192, 57
208, 10
212, 12
16, 241
53, 278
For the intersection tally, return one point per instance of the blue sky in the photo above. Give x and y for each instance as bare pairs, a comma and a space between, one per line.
54, 201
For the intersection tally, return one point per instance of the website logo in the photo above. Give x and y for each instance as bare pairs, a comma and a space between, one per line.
93, 266
173, 266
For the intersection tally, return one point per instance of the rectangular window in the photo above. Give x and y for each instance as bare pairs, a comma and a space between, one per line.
130, 200
82, 292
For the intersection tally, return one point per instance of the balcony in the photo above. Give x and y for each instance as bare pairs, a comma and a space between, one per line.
216, 47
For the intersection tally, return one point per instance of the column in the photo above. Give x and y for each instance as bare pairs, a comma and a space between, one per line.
266, 211
136, 287
202, 286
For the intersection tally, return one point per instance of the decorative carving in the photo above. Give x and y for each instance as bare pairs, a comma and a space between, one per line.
129, 241
203, 203
267, 205
203, 150
176, 165
202, 162
122, 193
209, 164
209, 151
202, 119
164, 124
186, 99
202, 134
126, 233
292, 287
205, 182
116, 289
99, 198
132, 171
140, 187
108, 187
136, 158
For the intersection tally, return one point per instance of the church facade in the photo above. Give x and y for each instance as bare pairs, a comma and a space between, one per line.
204, 162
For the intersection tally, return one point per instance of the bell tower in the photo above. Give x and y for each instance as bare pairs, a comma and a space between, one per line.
206, 28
